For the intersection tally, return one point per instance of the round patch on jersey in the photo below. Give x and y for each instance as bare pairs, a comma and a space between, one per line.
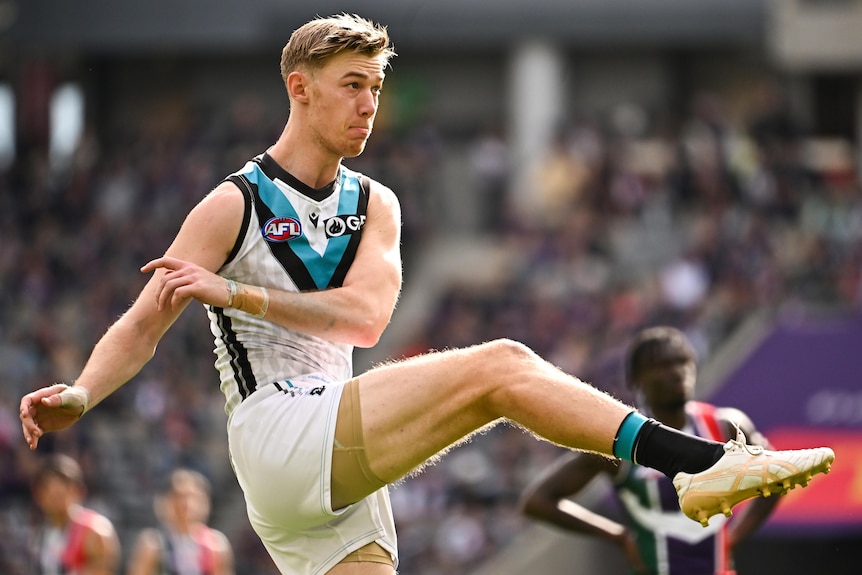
281, 229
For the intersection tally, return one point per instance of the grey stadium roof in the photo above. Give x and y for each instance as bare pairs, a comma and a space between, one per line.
215, 25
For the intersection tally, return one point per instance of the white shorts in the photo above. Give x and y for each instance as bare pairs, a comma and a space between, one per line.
280, 441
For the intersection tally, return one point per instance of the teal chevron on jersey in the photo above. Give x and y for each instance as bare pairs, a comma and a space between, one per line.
321, 267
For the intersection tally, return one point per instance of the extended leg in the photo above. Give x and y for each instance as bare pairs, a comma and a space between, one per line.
415, 409
411, 411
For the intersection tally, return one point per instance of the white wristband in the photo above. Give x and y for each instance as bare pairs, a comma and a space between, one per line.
231, 291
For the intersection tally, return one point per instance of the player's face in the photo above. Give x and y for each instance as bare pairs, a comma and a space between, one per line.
344, 95
188, 505
667, 382
54, 496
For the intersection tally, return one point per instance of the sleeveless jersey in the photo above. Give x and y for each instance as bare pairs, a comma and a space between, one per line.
669, 542
69, 558
186, 554
293, 238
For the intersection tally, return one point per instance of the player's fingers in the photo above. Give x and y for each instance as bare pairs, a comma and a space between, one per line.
180, 296
30, 436
76, 399
30, 400
172, 287
162, 262
29, 428
52, 401
151, 265
168, 286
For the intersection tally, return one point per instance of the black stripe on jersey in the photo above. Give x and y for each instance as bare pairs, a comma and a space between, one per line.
243, 185
238, 355
350, 252
274, 171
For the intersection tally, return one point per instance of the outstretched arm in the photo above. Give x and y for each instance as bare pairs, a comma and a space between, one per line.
205, 238
117, 357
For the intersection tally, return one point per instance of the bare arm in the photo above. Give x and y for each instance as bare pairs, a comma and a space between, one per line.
547, 499
101, 549
206, 238
754, 514
359, 311
569, 475
355, 313
145, 556
224, 554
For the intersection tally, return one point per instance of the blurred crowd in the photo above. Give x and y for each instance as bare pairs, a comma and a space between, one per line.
698, 220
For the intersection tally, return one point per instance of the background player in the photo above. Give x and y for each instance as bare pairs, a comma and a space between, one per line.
73, 539
661, 370
183, 544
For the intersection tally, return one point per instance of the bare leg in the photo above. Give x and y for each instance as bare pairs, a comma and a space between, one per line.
415, 409
364, 561
363, 568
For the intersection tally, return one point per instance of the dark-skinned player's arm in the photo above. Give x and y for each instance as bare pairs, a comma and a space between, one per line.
546, 499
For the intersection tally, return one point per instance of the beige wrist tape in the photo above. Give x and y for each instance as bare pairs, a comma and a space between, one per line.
253, 300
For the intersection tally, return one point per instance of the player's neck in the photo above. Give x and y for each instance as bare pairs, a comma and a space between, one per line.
61, 519
299, 157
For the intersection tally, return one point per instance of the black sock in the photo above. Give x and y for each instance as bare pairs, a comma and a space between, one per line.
670, 451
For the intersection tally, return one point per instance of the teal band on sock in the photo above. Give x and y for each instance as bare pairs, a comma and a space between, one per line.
624, 442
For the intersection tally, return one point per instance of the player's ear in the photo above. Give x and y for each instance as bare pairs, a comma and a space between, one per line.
298, 86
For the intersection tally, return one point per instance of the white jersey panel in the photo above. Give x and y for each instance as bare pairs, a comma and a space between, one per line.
252, 352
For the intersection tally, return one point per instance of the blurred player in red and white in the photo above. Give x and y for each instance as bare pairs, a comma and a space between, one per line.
183, 544
73, 540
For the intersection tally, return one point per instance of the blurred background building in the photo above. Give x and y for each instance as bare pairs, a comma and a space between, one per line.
570, 171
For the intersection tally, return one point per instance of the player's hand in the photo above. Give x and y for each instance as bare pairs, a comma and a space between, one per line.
183, 280
50, 409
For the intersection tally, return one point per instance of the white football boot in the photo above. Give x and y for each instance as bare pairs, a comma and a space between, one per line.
746, 471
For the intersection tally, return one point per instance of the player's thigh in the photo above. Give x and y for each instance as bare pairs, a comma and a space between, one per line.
364, 568
413, 409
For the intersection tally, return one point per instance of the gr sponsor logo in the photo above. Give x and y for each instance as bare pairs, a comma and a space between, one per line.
281, 229
341, 225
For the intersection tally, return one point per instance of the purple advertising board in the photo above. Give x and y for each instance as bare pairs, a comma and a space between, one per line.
802, 386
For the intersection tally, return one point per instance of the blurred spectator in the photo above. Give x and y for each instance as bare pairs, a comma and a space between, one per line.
72, 539
489, 162
183, 543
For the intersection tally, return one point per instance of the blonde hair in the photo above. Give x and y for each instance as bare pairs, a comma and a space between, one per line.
313, 43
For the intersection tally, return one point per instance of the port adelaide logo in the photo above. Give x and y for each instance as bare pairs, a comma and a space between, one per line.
282, 228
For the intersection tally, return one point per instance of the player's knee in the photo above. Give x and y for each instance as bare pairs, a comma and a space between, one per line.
508, 356
506, 367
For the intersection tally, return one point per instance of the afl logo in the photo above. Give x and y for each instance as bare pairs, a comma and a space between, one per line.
281, 229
